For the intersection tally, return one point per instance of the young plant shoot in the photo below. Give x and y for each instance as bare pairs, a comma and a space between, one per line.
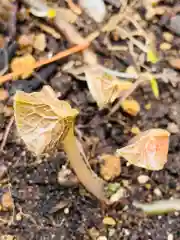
43, 122
147, 150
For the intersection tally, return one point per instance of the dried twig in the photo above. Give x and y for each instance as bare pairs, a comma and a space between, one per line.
42, 62
75, 8
6, 133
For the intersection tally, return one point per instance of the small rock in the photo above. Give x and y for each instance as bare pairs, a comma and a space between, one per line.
109, 221
168, 36
174, 62
7, 237
102, 238
25, 40
66, 210
62, 83
96, 9
175, 24
111, 167
173, 128
131, 107
118, 195
40, 42
170, 236
148, 106
93, 233
165, 46
112, 231
142, 179
7, 201
18, 217
157, 192
135, 130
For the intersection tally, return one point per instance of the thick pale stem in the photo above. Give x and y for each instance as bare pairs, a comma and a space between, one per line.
86, 176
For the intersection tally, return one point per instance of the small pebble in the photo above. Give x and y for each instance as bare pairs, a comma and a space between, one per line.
142, 179
168, 36
157, 192
165, 46
93, 233
118, 195
109, 221
170, 236
102, 238
135, 130
66, 210
111, 232
175, 24
172, 128
18, 217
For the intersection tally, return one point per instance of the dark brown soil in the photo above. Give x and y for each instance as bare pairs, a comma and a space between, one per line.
36, 191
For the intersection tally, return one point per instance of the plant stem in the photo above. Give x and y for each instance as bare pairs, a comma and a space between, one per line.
86, 176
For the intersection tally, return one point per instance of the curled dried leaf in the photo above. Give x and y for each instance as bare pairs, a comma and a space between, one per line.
105, 88
42, 120
148, 150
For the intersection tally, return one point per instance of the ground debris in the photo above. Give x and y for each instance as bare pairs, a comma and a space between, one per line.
110, 167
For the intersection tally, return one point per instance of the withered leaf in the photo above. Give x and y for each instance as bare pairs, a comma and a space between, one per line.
42, 119
104, 87
148, 150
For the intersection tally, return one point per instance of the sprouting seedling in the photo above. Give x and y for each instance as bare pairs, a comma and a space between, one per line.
147, 150
105, 88
44, 122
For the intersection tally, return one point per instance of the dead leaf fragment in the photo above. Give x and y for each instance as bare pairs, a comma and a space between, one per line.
131, 107
148, 150
24, 62
175, 63
111, 167
40, 42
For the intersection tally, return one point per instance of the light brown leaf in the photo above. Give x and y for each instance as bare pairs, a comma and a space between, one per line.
148, 150
105, 88
41, 119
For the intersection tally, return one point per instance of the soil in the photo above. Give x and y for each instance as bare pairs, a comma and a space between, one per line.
35, 188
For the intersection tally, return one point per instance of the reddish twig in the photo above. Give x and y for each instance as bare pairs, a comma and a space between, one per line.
6, 133
46, 61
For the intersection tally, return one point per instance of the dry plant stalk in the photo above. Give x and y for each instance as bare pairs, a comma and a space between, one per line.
148, 150
43, 122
